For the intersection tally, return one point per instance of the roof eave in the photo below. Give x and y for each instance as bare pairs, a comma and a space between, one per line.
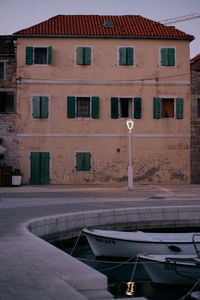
100, 36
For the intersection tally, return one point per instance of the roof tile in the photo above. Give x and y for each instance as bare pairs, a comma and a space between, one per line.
129, 26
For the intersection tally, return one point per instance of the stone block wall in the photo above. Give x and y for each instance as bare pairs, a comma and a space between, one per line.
195, 128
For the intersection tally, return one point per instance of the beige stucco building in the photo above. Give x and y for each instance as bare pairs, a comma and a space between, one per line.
80, 78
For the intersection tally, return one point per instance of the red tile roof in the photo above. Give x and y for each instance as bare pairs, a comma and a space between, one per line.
93, 26
195, 63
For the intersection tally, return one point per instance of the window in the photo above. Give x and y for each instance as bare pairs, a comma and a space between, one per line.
83, 56
83, 161
40, 107
125, 108
2, 70
83, 107
167, 57
7, 104
168, 108
38, 55
126, 56
198, 108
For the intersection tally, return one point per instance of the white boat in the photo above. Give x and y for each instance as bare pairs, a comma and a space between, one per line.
177, 269
129, 244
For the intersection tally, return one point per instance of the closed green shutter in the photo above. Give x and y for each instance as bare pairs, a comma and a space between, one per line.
29, 55
80, 56
71, 107
36, 107
44, 107
39, 163
167, 57
171, 57
122, 56
198, 108
35, 168
137, 108
179, 108
164, 56
114, 108
129, 56
157, 108
95, 107
87, 56
83, 161
44, 168
49, 55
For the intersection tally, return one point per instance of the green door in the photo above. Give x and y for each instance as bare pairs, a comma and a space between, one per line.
39, 165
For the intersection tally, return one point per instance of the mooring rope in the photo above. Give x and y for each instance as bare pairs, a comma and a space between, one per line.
76, 243
198, 281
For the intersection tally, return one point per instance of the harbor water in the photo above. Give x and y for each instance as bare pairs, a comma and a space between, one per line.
126, 277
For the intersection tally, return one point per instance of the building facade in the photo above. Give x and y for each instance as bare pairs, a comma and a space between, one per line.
195, 119
8, 117
80, 78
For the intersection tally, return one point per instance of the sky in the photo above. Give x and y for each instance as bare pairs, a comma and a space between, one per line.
20, 14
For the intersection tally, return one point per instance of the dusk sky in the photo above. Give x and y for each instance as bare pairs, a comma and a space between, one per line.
16, 15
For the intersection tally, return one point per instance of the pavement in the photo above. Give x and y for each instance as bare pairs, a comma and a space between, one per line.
31, 268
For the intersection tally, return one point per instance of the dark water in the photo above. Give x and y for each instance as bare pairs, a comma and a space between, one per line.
123, 279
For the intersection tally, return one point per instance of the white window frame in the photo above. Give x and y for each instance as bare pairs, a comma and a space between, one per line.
76, 107
167, 47
83, 46
36, 47
118, 56
31, 110
168, 97
130, 114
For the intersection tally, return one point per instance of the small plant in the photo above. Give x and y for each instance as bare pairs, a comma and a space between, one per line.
17, 172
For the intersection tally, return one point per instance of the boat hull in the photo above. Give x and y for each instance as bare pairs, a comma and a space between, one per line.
171, 272
108, 246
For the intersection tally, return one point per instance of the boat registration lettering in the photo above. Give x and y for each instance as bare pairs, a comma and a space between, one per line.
103, 240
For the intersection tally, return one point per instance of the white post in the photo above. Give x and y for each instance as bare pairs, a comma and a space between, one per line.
130, 124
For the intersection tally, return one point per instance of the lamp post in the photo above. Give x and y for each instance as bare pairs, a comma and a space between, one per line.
130, 124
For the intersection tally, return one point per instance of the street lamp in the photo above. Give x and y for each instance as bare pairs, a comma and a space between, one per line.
130, 124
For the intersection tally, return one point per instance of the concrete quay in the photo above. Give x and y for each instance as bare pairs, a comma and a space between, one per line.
31, 268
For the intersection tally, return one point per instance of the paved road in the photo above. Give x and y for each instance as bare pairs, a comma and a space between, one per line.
28, 270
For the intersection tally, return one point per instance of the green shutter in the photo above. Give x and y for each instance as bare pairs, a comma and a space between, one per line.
44, 107
122, 56
35, 168
167, 57
164, 56
80, 56
49, 55
198, 108
44, 168
114, 108
157, 108
36, 107
179, 108
83, 161
137, 108
129, 56
87, 56
171, 57
95, 107
29, 55
71, 107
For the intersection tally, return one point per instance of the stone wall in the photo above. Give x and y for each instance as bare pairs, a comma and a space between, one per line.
8, 120
195, 128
